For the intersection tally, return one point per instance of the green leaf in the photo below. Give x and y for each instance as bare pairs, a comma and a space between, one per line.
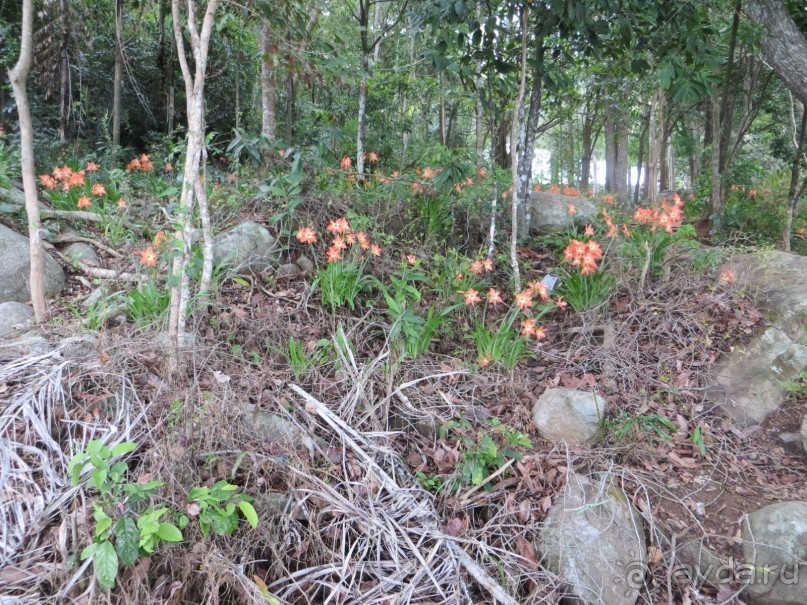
169, 532
105, 562
89, 551
123, 448
126, 539
249, 513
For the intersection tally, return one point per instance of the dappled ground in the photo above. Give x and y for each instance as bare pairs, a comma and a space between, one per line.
376, 471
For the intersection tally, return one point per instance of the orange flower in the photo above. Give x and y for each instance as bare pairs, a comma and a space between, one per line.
395, 174
350, 238
145, 162
527, 327
589, 232
122, 205
411, 259
75, 179
339, 243
539, 289
339, 226
160, 239
98, 189
62, 172
584, 255
307, 235
133, 165
481, 172
488, 264
571, 208
540, 332
148, 257
346, 163
727, 277
524, 299
471, 297
48, 181
84, 202
536, 188
417, 187
364, 242
752, 193
494, 297
458, 277
477, 268
92, 167
485, 361
334, 254
562, 304
168, 167
625, 230
375, 250
428, 173
373, 157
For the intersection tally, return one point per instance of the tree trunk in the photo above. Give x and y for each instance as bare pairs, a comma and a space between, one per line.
610, 146
570, 170
589, 141
194, 91
527, 151
796, 190
640, 158
268, 93
783, 43
517, 137
290, 100
19, 83
365, 66
64, 72
655, 136
118, 78
716, 198
621, 164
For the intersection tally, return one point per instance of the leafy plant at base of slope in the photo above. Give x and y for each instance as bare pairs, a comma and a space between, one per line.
449, 274
500, 345
483, 457
585, 292
301, 359
218, 508
341, 282
637, 427
117, 513
433, 214
147, 304
9, 165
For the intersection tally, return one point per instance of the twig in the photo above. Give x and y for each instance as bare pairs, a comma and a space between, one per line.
68, 239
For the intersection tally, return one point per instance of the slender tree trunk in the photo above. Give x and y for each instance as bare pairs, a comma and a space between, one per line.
268, 93
796, 190
527, 150
365, 66
64, 72
621, 164
518, 135
716, 203
571, 163
610, 146
495, 201
589, 141
191, 184
19, 84
290, 100
655, 136
442, 110
118, 79
170, 97
640, 158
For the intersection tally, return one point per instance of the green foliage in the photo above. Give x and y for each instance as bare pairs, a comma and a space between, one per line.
500, 345
641, 427
647, 249
147, 304
342, 282
219, 508
585, 292
798, 387
9, 164
301, 359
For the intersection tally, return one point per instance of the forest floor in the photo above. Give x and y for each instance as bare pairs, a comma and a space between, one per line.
646, 351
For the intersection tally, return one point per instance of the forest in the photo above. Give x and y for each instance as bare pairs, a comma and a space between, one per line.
392, 302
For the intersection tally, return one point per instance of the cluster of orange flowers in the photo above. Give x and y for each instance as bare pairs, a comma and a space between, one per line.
751, 191
584, 255
668, 217
149, 256
612, 229
143, 163
67, 177
343, 236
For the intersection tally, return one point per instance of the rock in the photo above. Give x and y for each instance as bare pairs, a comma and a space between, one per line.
246, 248
79, 252
305, 263
594, 541
79, 347
276, 429
804, 433
550, 212
289, 269
774, 541
748, 383
700, 565
13, 314
569, 415
775, 281
279, 504
30, 343
15, 268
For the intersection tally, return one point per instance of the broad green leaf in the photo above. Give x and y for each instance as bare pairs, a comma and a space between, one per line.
89, 551
249, 513
126, 539
106, 564
123, 448
169, 532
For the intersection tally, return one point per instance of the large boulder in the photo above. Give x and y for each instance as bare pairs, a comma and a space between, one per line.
749, 383
80, 252
550, 212
569, 415
15, 268
775, 549
593, 539
13, 314
246, 248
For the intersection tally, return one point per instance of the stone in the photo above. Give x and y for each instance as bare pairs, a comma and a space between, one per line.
305, 263
276, 429
289, 269
15, 268
695, 561
774, 542
245, 249
550, 212
749, 382
804, 433
79, 347
775, 281
13, 314
29, 343
593, 539
569, 415
80, 252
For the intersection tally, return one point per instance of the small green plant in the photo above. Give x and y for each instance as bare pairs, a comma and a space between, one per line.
341, 282
585, 292
638, 427
698, 440
501, 345
218, 507
431, 483
122, 529
798, 387
147, 304
301, 359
